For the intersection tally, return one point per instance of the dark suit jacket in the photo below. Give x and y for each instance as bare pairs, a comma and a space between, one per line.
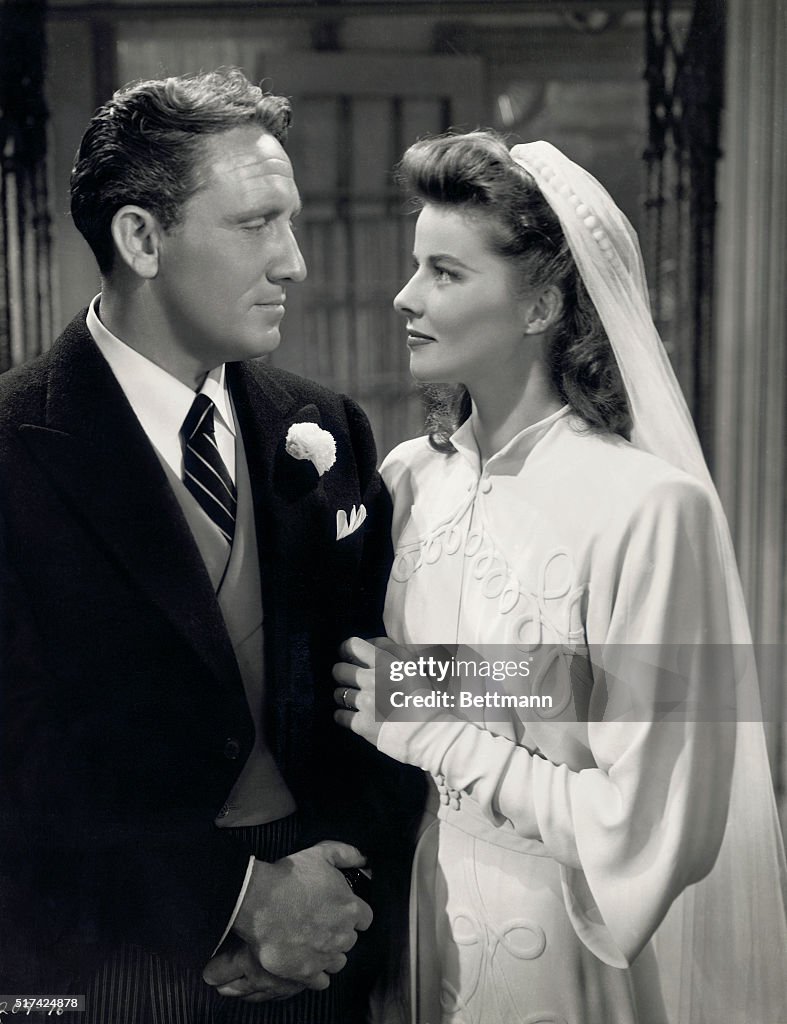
119, 689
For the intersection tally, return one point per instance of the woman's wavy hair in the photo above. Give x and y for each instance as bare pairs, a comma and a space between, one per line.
145, 145
475, 172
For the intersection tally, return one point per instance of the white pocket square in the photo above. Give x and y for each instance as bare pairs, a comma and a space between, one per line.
345, 526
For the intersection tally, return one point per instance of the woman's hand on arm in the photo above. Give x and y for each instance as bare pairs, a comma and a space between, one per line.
362, 683
378, 678
375, 680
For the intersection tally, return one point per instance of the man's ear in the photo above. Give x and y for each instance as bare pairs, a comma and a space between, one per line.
545, 311
136, 234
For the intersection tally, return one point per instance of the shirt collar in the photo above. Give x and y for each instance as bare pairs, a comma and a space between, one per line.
160, 401
511, 457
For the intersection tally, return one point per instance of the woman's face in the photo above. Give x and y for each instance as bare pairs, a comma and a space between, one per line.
465, 318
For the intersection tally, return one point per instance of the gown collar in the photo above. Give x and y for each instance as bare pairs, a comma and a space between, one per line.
511, 457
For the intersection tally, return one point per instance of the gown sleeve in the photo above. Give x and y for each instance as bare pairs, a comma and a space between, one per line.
631, 832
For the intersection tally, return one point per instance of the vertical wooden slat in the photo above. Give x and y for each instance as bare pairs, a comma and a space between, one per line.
355, 242
421, 117
772, 609
14, 255
23, 141
751, 331
5, 325
31, 343
105, 65
344, 209
147, 48
44, 271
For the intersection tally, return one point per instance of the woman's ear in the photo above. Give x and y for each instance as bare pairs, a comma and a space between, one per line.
544, 312
136, 234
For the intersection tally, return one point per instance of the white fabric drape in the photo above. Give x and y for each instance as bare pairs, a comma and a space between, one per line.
721, 949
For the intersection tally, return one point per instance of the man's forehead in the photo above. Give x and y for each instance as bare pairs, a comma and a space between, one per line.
245, 154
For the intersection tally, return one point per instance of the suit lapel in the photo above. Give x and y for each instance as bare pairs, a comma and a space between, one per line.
95, 451
290, 511
282, 486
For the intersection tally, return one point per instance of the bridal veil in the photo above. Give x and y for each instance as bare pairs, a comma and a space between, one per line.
722, 945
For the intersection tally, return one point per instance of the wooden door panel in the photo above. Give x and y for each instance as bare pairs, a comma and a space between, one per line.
354, 114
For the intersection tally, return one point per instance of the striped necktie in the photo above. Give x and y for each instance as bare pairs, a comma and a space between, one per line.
204, 472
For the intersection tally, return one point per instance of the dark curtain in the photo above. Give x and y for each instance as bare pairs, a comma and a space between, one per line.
685, 79
25, 265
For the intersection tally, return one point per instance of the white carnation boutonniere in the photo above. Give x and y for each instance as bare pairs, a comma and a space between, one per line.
308, 441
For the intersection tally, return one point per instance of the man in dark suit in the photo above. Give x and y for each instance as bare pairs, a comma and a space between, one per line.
186, 537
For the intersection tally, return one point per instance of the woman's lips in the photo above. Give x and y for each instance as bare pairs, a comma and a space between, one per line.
415, 339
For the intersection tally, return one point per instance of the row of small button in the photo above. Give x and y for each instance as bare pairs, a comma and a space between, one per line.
232, 749
231, 752
449, 797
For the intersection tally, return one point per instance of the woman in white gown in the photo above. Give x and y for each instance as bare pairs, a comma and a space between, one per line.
560, 520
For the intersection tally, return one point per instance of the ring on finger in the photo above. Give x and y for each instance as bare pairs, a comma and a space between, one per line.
347, 706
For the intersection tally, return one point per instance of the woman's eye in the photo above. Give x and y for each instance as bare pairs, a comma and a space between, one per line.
444, 275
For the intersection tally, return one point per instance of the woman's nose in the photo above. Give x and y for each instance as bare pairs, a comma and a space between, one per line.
406, 302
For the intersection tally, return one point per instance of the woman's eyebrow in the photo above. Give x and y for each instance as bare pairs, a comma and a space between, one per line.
444, 257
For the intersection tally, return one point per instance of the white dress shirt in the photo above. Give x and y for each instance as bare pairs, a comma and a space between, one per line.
160, 401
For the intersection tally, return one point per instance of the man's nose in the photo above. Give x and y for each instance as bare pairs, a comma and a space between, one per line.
289, 264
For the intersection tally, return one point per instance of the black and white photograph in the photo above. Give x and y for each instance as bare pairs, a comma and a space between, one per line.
393, 549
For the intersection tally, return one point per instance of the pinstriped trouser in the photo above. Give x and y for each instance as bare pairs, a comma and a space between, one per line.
135, 986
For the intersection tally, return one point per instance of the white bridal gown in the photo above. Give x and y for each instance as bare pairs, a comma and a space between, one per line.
561, 836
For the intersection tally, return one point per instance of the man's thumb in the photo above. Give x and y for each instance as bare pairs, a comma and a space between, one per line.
342, 855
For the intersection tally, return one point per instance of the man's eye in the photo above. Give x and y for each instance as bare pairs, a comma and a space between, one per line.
256, 225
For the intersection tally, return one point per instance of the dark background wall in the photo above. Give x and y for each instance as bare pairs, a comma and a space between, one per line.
367, 78
366, 81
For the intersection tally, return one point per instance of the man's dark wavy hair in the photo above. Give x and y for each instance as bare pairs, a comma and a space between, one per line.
475, 173
144, 146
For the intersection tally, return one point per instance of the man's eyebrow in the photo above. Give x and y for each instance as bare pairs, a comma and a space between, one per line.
268, 209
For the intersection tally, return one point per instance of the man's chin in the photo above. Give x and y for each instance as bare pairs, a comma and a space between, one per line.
271, 340
262, 344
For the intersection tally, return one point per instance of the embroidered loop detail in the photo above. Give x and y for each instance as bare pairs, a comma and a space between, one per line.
484, 562
509, 599
466, 931
495, 582
526, 631
524, 939
474, 541
552, 567
433, 549
405, 564
453, 540
557, 666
